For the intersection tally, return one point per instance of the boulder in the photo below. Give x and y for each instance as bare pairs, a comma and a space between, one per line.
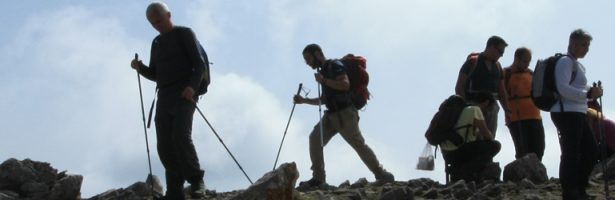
29, 179
136, 191
14, 173
478, 172
527, 167
345, 184
277, 184
362, 182
491, 171
69, 187
597, 173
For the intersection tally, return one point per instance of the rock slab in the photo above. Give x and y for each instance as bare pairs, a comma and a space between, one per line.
29, 179
527, 167
275, 185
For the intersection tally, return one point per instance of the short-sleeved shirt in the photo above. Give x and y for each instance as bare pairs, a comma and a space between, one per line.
481, 78
335, 99
519, 92
469, 134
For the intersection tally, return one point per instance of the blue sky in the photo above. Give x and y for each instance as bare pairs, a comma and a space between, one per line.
71, 99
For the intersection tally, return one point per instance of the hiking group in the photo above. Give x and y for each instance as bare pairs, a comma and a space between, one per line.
464, 127
559, 87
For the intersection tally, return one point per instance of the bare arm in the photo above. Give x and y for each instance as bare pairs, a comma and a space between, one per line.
503, 96
460, 86
341, 82
311, 101
482, 129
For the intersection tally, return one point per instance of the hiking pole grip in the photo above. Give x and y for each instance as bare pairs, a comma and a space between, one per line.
300, 87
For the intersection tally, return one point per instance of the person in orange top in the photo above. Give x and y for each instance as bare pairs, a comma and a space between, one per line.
525, 122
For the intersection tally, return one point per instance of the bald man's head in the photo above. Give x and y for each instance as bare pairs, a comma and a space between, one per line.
159, 16
157, 8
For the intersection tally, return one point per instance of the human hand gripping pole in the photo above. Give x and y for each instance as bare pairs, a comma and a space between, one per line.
286, 129
149, 161
220, 139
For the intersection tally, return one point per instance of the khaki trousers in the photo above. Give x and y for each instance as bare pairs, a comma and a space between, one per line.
345, 122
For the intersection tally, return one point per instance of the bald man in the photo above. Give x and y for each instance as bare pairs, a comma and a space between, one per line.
176, 66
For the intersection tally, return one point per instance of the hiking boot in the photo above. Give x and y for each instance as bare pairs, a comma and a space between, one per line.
197, 190
310, 184
385, 177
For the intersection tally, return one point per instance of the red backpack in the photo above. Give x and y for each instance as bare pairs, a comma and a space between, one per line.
356, 69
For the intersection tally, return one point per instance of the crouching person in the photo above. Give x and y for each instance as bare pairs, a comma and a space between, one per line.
472, 153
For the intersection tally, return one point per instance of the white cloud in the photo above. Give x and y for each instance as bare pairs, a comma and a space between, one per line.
87, 98
72, 99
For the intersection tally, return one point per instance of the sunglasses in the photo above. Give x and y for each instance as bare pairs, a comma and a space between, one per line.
501, 51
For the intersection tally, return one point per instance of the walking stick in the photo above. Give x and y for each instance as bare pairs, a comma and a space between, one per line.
149, 161
220, 139
603, 145
286, 129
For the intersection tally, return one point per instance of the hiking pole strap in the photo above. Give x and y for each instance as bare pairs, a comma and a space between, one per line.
286, 129
225, 147
322, 140
151, 109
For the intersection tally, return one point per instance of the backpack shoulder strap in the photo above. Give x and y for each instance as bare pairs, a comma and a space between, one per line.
474, 61
575, 69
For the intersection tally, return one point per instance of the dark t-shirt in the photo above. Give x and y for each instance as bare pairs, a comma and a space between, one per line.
335, 99
481, 79
175, 62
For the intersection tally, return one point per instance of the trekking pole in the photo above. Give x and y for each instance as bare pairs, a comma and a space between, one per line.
220, 139
603, 145
322, 140
149, 161
286, 129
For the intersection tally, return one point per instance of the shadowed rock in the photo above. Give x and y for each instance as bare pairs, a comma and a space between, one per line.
29, 179
137, 191
598, 172
279, 184
527, 167
275, 185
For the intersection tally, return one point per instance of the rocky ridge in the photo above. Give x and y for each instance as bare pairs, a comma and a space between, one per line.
524, 179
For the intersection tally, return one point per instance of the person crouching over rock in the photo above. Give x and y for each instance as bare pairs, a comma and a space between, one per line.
468, 159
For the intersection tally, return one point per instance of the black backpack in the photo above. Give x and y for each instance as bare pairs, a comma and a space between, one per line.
206, 79
544, 91
442, 125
